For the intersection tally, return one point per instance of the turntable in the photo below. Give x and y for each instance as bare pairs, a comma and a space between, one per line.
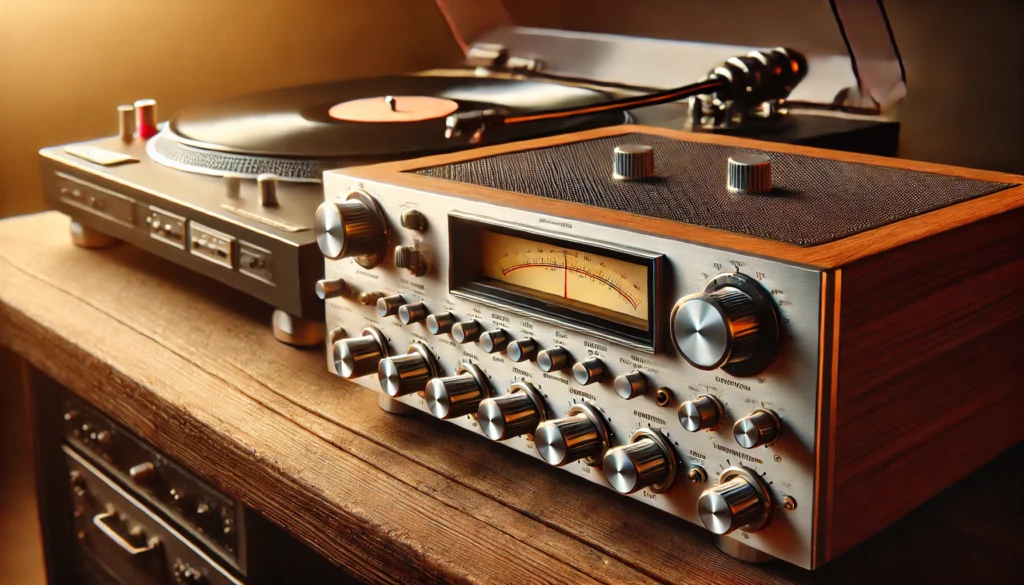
229, 189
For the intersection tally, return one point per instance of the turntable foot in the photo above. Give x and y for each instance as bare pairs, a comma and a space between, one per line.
392, 406
740, 551
296, 331
86, 237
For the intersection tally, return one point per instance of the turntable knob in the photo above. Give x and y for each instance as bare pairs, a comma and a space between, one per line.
352, 228
632, 162
750, 173
266, 184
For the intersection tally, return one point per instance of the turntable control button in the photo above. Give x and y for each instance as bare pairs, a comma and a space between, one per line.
412, 219
749, 173
411, 259
632, 162
267, 186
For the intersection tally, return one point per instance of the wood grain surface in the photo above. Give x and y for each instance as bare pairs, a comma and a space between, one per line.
192, 367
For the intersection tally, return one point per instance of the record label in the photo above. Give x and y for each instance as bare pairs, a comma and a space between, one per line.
397, 108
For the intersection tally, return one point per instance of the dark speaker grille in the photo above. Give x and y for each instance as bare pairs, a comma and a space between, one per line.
814, 200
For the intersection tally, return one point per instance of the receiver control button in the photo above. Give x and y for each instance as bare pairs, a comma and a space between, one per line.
404, 374
412, 313
457, 395
494, 341
589, 371
388, 306
554, 359
412, 219
582, 434
466, 331
739, 502
630, 385
701, 413
522, 350
731, 325
352, 228
514, 414
760, 427
330, 288
646, 462
410, 259
440, 323
358, 356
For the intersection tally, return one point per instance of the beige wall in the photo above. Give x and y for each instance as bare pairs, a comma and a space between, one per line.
66, 64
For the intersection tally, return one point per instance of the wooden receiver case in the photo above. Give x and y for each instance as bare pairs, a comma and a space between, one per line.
897, 289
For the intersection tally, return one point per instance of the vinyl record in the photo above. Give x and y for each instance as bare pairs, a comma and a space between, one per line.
298, 121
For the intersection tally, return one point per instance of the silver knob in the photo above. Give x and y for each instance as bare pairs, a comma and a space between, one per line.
126, 122
760, 427
404, 374
582, 434
589, 371
739, 501
266, 185
388, 306
700, 413
440, 324
494, 341
514, 414
412, 313
713, 329
413, 220
410, 259
330, 288
554, 359
749, 173
630, 385
466, 331
457, 395
646, 462
522, 350
631, 162
352, 228
358, 356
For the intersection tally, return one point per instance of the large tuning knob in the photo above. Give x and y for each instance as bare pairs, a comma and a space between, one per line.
352, 228
404, 374
358, 356
513, 414
457, 395
731, 325
646, 462
582, 434
740, 501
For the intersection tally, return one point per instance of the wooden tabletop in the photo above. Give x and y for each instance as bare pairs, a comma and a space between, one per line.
192, 366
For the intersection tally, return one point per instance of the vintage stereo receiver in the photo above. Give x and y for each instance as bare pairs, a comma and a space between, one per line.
792, 347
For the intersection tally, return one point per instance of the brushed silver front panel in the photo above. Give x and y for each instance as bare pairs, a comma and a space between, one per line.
788, 386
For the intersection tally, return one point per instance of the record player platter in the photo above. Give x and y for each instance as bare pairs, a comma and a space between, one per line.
297, 133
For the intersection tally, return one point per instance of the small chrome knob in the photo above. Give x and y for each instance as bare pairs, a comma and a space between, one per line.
513, 414
522, 350
630, 385
646, 462
358, 356
582, 434
266, 185
749, 173
703, 412
466, 331
388, 306
494, 341
457, 395
440, 324
412, 219
554, 359
404, 374
589, 371
410, 259
330, 288
760, 427
631, 162
739, 502
352, 228
369, 298
412, 313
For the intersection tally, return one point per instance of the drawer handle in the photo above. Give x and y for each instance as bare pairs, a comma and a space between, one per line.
100, 520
